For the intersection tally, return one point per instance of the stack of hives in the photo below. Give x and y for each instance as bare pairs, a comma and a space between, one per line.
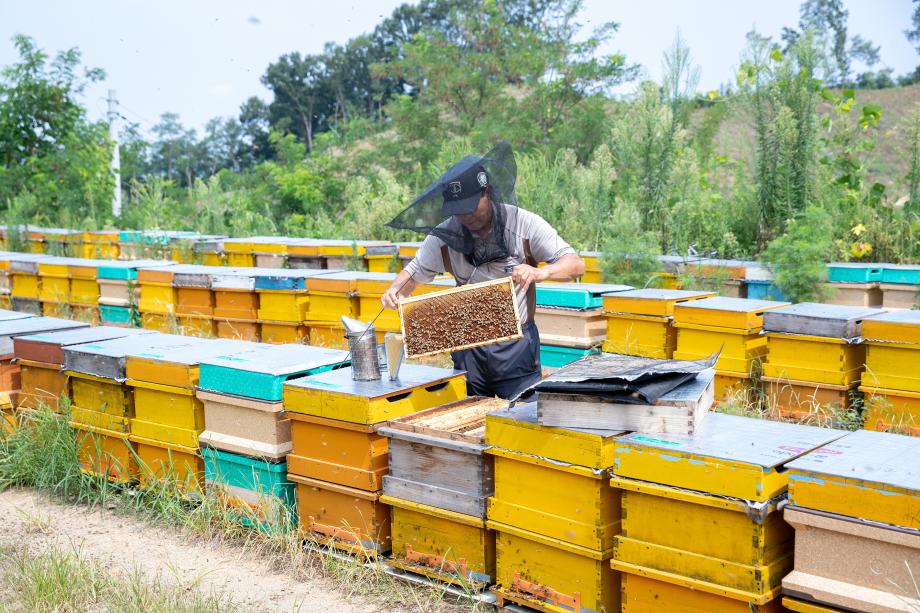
733, 326
25, 284
729, 276
100, 244
701, 529
900, 285
571, 320
854, 284
332, 295
271, 253
5, 282
382, 258
407, 251
891, 382
759, 285
815, 358
210, 250
118, 291
238, 252
103, 406
853, 504
247, 434
54, 286
168, 418
41, 361
13, 325
283, 302
593, 272
157, 302
438, 485
553, 514
8, 376
338, 459
195, 299
84, 290
346, 254
236, 303
639, 321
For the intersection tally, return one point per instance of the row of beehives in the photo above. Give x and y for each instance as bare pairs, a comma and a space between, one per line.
255, 304
850, 284
470, 492
807, 361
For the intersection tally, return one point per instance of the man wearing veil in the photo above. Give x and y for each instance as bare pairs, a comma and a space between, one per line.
477, 233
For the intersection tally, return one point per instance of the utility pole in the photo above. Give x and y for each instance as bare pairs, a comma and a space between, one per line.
116, 157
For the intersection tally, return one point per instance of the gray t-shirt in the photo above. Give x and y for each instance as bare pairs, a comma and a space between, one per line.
545, 245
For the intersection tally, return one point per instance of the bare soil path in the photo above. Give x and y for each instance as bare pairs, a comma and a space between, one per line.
125, 544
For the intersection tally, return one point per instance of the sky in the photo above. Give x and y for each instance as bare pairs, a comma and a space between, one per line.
203, 58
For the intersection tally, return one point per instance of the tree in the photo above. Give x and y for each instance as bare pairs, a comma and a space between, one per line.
254, 121
302, 95
50, 153
827, 19
913, 34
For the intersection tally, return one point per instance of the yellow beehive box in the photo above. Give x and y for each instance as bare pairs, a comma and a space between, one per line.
867, 472
734, 387
61, 310
177, 465
815, 403
100, 419
728, 456
892, 366
381, 263
593, 272
55, 281
105, 453
329, 335
645, 594
283, 305
338, 452
331, 296
740, 349
100, 394
238, 329
655, 302
84, 286
25, 285
341, 517
517, 429
549, 575
727, 547
201, 326
894, 327
885, 410
818, 359
737, 313
160, 322
440, 544
527, 496
533, 463
640, 335
157, 294
277, 332
334, 395
166, 413
214, 259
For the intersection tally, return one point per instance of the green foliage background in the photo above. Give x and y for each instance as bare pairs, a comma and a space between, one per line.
352, 134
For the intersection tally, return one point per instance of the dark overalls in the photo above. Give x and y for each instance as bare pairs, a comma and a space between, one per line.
503, 369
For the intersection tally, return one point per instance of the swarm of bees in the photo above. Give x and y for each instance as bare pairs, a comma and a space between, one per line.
475, 315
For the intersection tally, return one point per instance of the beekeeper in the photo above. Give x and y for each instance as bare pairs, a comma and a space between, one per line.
476, 232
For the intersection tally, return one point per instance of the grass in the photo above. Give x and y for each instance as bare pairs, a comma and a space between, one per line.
42, 453
60, 580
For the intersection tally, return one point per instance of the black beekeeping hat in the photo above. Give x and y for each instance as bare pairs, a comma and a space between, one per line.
458, 190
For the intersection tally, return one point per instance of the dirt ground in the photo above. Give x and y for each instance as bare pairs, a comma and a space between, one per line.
123, 544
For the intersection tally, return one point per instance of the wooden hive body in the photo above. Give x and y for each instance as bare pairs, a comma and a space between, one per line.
460, 318
436, 457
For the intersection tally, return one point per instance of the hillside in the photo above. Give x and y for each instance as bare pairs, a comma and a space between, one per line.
888, 162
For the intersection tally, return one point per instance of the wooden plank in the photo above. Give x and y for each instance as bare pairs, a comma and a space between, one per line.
681, 411
460, 318
435, 496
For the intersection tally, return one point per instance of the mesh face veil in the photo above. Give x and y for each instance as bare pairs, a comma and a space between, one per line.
457, 192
